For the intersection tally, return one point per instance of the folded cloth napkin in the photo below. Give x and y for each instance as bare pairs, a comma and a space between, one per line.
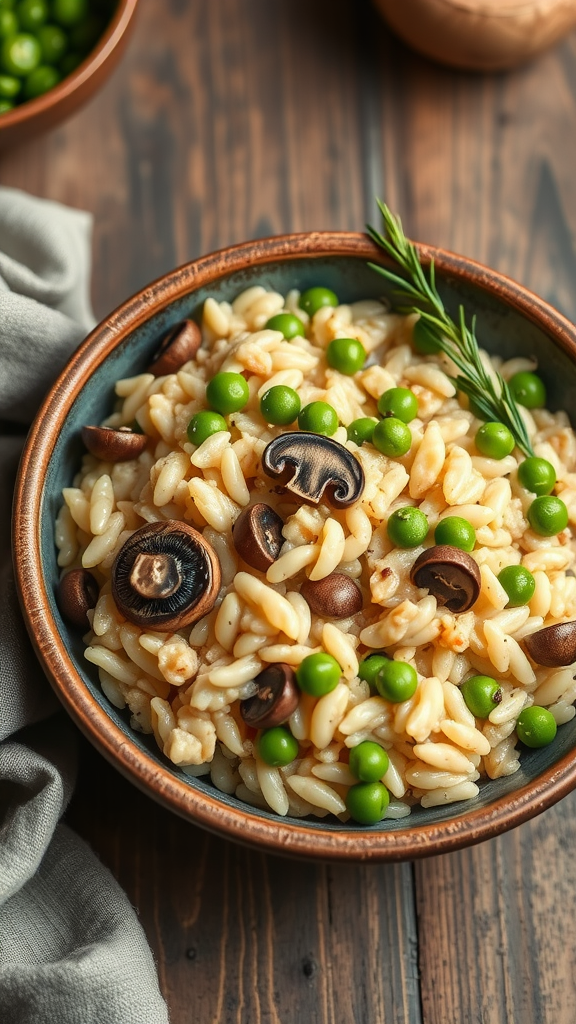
71, 948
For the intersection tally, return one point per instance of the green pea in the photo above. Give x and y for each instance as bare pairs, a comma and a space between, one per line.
203, 425
69, 12
277, 746
318, 674
407, 527
482, 694
399, 402
227, 392
392, 437
518, 583
85, 35
495, 440
41, 80
280, 405
8, 24
5, 106
32, 14
361, 430
536, 727
20, 54
457, 532
370, 667
290, 325
528, 390
537, 475
397, 681
424, 338
319, 418
69, 63
367, 802
9, 87
368, 761
548, 515
315, 298
53, 43
347, 355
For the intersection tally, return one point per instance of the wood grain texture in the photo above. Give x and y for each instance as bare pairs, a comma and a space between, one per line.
227, 121
497, 929
243, 938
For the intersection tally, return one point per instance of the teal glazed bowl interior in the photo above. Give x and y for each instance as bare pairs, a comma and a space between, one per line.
510, 321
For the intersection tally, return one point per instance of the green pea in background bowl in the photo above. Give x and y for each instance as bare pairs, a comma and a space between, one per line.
39, 115
511, 321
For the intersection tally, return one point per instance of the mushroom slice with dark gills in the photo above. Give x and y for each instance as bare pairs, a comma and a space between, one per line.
450, 574
166, 576
313, 467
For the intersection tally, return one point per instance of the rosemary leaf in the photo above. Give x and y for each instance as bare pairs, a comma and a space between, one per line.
417, 293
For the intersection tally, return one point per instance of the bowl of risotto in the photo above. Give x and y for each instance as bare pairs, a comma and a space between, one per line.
283, 574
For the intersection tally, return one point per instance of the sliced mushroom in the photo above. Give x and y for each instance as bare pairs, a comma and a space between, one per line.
275, 699
450, 574
311, 466
113, 445
180, 344
336, 596
553, 646
77, 593
257, 535
166, 576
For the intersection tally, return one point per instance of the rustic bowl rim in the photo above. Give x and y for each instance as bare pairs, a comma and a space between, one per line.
240, 822
98, 56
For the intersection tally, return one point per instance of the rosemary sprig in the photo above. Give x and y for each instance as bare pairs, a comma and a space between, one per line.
417, 293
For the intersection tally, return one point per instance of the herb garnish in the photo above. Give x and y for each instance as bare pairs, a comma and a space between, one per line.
491, 395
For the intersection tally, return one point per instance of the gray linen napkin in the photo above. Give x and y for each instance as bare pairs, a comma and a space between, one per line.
71, 948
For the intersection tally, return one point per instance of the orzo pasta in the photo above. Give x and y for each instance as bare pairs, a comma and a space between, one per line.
318, 594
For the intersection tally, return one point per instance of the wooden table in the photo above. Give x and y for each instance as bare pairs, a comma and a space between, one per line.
233, 119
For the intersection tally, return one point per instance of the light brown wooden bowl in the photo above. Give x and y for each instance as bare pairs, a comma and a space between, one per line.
480, 35
39, 115
510, 320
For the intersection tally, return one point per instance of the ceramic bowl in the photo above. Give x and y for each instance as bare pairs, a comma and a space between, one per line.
480, 35
45, 112
510, 321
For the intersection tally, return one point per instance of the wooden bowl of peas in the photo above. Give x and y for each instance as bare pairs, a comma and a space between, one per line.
54, 55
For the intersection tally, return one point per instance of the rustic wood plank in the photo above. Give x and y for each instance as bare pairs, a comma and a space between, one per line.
497, 930
241, 937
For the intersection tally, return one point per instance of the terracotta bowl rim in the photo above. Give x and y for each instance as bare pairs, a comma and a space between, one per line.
97, 57
240, 822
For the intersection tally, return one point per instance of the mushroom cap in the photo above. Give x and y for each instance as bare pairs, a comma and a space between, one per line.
165, 576
77, 593
335, 596
113, 445
180, 344
553, 646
